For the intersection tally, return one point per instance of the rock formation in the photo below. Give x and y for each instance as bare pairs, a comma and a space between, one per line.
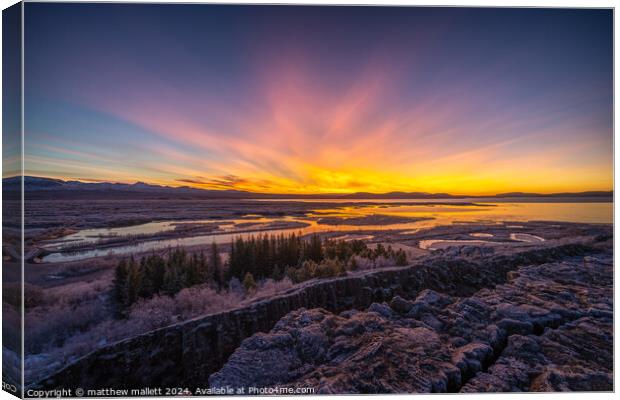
453, 325
548, 328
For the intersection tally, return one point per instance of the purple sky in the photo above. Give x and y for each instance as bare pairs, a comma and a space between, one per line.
321, 99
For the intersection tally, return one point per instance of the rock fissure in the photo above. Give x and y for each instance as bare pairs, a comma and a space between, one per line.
526, 334
189, 352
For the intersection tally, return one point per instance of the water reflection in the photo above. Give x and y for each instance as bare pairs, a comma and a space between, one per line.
225, 231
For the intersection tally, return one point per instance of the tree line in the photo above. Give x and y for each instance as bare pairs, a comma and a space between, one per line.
275, 256
251, 259
267, 256
155, 274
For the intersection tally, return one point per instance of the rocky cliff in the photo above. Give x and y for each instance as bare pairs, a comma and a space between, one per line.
549, 328
187, 354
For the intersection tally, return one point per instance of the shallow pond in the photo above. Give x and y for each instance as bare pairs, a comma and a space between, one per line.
489, 213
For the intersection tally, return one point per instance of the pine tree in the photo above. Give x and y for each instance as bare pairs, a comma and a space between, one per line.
215, 266
120, 283
134, 283
329, 249
357, 246
157, 270
248, 282
343, 252
174, 276
276, 274
401, 258
353, 266
238, 258
192, 271
204, 269
380, 250
315, 249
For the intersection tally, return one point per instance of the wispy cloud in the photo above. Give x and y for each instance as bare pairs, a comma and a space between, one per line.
275, 107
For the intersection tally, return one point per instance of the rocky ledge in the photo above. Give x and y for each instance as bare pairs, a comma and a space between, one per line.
547, 328
468, 312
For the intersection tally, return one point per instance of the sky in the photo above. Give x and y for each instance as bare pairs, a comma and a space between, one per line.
11, 88
291, 99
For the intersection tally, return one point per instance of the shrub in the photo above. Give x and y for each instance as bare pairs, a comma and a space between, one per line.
311, 270
353, 265
204, 299
248, 282
270, 287
156, 312
401, 258
50, 326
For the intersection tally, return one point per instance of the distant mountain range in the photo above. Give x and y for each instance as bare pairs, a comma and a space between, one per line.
423, 195
58, 187
34, 183
567, 194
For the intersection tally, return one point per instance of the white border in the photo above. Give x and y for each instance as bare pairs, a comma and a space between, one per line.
477, 3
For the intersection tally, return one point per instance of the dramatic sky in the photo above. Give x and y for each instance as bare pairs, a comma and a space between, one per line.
320, 99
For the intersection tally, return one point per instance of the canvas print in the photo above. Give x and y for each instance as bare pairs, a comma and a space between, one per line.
262, 199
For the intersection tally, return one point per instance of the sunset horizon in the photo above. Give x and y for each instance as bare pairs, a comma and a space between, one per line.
216, 187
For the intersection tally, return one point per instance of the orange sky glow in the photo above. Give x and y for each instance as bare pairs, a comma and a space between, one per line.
398, 106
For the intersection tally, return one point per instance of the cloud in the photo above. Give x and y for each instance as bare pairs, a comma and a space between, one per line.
226, 182
386, 124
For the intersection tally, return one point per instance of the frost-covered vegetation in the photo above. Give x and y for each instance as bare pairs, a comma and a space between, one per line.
276, 257
165, 275
68, 321
72, 320
256, 258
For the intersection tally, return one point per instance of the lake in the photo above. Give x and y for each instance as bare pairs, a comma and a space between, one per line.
439, 214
